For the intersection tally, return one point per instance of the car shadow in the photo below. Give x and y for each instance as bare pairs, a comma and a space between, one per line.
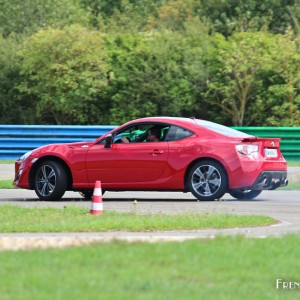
139, 199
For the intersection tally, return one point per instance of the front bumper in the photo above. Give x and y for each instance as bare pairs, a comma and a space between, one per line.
22, 174
270, 180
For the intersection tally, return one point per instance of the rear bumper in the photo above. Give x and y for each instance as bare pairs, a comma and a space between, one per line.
270, 180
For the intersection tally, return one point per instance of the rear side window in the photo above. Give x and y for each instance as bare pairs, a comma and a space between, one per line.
178, 133
221, 129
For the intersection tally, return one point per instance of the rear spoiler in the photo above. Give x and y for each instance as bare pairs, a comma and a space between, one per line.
268, 142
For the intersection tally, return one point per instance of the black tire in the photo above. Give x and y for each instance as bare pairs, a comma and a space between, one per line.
244, 195
207, 180
50, 180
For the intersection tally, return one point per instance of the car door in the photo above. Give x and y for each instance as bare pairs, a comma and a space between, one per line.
125, 163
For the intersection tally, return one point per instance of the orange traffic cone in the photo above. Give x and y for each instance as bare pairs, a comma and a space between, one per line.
97, 204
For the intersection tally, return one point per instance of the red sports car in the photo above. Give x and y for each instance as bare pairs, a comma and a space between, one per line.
158, 154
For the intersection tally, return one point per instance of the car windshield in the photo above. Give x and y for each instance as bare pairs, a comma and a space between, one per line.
224, 130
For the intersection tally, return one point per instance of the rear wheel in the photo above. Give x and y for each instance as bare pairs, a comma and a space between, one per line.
50, 180
244, 195
207, 180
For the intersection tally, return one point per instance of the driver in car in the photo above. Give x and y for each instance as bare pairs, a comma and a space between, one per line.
153, 136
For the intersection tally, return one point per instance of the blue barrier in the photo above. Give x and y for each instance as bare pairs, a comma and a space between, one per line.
54, 131
15, 140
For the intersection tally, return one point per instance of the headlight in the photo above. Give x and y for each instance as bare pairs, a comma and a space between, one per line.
24, 156
246, 149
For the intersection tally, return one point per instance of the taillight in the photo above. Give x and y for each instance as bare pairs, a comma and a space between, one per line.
246, 149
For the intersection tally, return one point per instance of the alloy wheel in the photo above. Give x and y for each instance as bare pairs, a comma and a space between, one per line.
46, 180
206, 180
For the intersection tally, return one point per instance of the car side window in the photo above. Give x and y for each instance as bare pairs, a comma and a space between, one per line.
134, 133
142, 133
177, 133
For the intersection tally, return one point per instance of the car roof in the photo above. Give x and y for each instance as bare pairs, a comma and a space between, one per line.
172, 120
195, 125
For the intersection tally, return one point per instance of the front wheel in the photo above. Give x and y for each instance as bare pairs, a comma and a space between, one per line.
244, 195
50, 180
207, 180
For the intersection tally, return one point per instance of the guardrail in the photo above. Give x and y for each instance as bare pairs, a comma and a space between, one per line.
15, 140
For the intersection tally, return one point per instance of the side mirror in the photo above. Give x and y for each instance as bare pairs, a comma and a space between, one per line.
108, 141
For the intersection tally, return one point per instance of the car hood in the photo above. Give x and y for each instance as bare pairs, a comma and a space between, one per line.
62, 149
77, 145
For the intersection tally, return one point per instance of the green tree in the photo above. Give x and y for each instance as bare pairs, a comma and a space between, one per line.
154, 74
64, 71
26, 17
115, 16
13, 110
229, 16
284, 90
173, 15
235, 83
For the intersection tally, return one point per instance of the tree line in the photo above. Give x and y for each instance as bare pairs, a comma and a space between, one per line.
108, 61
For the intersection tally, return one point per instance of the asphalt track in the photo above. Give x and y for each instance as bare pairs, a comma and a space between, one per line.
283, 206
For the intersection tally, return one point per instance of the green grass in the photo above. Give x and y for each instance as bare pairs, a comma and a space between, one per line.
292, 186
294, 163
224, 268
7, 184
75, 219
7, 162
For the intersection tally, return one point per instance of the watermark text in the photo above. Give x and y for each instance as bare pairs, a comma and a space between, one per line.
288, 285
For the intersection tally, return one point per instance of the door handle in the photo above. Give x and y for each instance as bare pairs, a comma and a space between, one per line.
156, 152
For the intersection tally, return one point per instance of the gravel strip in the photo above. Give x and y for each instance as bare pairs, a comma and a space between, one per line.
28, 243
20, 243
